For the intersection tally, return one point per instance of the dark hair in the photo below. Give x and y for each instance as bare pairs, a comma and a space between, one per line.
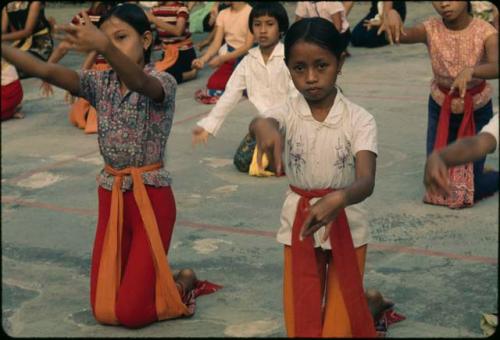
273, 9
135, 17
318, 31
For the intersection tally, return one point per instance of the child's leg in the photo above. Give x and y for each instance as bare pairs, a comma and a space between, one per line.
432, 123
336, 318
322, 260
243, 156
135, 305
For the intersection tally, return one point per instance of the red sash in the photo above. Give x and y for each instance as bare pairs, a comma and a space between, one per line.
306, 283
467, 127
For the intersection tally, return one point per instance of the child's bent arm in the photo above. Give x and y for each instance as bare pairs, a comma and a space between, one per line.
489, 70
54, 74
89, 60
214, 45
5, 20
241, 50
176, 29
29, 27
337, 21
364, 183
132, 75
468, 149
414, 35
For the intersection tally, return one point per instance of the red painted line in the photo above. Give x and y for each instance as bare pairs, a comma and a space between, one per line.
271, 234
395, 98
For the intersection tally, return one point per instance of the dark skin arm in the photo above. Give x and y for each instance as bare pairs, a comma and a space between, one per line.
88, 38
31, 22
326, 209
462, 151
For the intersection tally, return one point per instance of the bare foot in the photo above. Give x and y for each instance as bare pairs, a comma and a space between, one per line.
377, 303
186, 278
18, 115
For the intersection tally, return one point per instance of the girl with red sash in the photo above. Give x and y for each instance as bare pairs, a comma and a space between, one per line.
131, 281
464, 53
329, 157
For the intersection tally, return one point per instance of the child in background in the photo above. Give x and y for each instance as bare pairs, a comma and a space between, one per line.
330, 151
262, 73
171, 19
231, 26
24, 25
485, 10
82, 114
131, 281
332, 11
12, 92
464, 53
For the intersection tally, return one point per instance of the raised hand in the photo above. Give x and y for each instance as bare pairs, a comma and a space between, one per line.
322, 213
84, 38
436, 179
392, 25
199, 135
460, 82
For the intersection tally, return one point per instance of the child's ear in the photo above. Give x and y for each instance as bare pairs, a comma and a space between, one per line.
147, 39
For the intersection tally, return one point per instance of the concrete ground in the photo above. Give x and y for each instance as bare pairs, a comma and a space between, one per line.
440, 266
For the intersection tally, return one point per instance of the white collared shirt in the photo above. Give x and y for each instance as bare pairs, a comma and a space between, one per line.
267, 85
322, 9
319, 155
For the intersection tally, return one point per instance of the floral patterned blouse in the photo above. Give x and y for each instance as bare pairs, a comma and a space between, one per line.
132, 129
452, 51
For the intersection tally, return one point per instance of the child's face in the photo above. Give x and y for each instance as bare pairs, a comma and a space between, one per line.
314, 70
126, 38
266, 30
450, 10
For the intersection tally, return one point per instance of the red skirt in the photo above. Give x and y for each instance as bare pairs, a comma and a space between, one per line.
12, 95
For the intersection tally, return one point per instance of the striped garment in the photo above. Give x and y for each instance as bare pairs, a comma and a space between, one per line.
169, 13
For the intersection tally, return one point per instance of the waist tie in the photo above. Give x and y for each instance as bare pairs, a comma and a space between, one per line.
467, 127
168, 300
171, 54
306, 284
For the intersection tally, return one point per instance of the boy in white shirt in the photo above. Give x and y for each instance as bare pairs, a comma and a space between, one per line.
262, 73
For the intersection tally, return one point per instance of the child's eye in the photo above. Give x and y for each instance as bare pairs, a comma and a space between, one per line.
121, 37
322, 66
298, 68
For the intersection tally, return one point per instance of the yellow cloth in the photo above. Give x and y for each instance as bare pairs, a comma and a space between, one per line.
255, 170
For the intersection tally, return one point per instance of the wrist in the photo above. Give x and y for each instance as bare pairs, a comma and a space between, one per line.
105, 47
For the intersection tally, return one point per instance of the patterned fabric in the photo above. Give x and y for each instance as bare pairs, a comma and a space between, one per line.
484, 10
170, 13
132, 128
461, 187
452, 51
244, 153
40, 43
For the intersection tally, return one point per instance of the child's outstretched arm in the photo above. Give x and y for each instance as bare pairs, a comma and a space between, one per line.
462, 151
488, 70
325, 210
393, 27
54, 74
88, 37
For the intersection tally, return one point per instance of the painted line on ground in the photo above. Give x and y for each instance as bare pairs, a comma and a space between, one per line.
234, 230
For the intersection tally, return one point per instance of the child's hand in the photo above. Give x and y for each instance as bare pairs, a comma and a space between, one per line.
372, 23
392, 25
150, 16
269, 143
460, 82
200, 135
46, 89
198, 63
216, 62
322, 213
86, 37
436, 178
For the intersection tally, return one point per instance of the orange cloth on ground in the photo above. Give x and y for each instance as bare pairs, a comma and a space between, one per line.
168, 301
171, 54
336, 319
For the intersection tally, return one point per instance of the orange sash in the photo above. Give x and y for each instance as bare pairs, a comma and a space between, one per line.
168, 300
171, 54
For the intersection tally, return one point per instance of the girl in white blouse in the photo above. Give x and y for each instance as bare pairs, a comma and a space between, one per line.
262, 73
329, 156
